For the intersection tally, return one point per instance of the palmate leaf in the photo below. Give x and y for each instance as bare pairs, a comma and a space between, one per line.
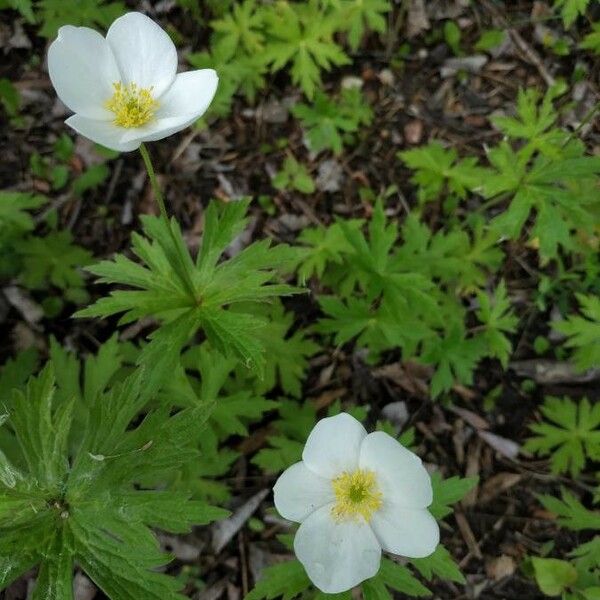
302, 34
438, 169
287, 353
439, 564
583, 333
14, 215
495, 312
447, 492
88, 505
240, 30
561, 191
326, 121
570, 435
362, 14
162, 288
286, 580
571, 513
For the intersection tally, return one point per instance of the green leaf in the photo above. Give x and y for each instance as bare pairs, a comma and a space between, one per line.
571, 9
14, 207
496, 313
91, 13
285, 580
490, 39
52, 260
294, 176
571, 513
301, 34
358, 15
437, 168
583, 333
90, 503
439, 564
570, 434
161, 282
447, 492
592, 40
553, 576
400, 579
327, 121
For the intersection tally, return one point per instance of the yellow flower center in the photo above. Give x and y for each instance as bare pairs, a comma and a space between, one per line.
133, 106
356, 495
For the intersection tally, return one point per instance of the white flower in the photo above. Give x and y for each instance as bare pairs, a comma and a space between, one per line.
124, 89
354, 495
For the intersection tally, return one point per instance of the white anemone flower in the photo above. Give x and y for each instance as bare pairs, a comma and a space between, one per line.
355, 495
124, 89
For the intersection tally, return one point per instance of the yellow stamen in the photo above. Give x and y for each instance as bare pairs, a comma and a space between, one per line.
357, 495
133, 106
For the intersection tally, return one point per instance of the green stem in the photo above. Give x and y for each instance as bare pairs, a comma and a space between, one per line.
154, 183
586, 119
184, 275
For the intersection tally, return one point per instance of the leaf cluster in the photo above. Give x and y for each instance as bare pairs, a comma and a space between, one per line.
77, 493
569, 434
328, 123
186, 295
251, 39
402, 288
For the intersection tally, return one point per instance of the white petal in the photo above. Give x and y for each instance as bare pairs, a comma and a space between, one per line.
401, 476
190, 94
337, 555
144, 51
102, 132
333, 445
82, 69
298, 492
408, 532
184, 102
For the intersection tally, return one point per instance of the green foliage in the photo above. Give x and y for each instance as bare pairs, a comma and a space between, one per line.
358, 15
15, 220
25, 8
302, 36
328, 123
296, 421
583, 333
52, 14
548, 176
395, 577
495, 313
294, 176
554, 576
407, 295
285, 580
571, 9
491, 38
592, 40
452, 36
438, 171
10, 100
54, 260
250, 39
187, 295
39, 263
569, 435
288, 353
447, 492
571, 513
439, 564
87, 502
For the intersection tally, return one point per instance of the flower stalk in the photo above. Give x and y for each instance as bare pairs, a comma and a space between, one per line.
158, 196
